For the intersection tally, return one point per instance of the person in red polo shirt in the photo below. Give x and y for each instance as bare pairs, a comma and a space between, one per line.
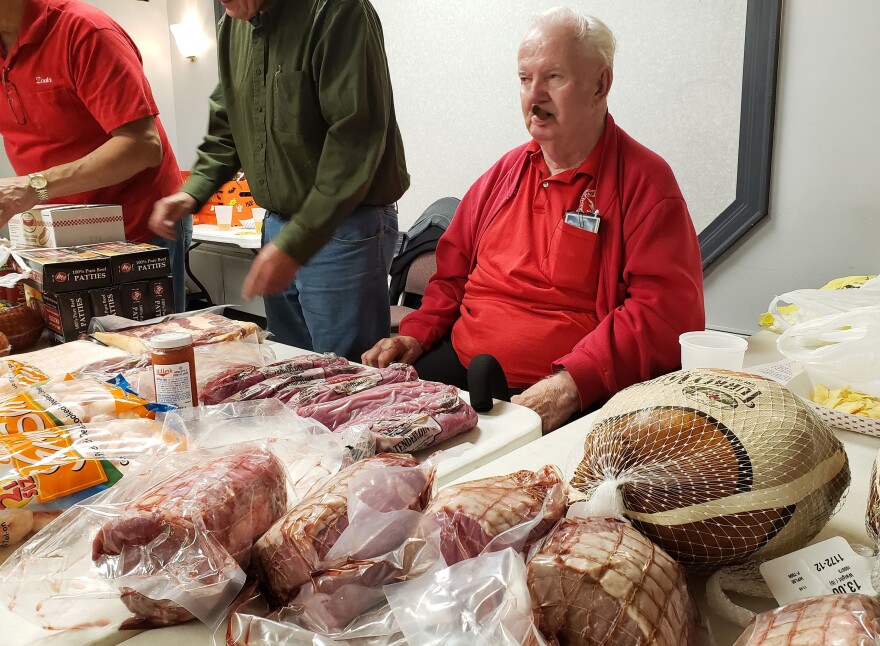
79, 121
573, 260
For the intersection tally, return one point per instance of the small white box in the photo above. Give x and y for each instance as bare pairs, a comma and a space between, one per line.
67, 225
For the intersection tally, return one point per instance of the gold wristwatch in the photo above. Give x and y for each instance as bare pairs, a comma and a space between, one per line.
40, 185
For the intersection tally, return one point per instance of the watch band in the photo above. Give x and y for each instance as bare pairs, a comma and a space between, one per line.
40, 185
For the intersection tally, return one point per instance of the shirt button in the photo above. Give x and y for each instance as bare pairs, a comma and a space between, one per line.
260, 146
259, 71
260, 109
262, 182
545, 184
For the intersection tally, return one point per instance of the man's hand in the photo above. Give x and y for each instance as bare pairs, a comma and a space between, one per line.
16, 196
271, 271
397, 349
169, 211
555, 399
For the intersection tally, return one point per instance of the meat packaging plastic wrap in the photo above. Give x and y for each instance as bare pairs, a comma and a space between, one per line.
212, 361
235, 379
483, 600
298, 544
292, 381
872, 518
168, 542
61, 402
48, 471
340, 412
716, 467
341, 391
522, 507
313, 454
598, 581
838, 620
416, 424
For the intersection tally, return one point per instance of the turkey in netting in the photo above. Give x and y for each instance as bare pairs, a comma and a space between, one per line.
716, 467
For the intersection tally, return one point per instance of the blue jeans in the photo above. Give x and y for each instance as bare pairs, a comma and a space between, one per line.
183, 231
338, 301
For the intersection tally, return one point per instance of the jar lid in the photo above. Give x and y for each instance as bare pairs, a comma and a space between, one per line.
171, 340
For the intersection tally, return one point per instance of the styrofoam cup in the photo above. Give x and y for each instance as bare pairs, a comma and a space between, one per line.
258, 214
711, 349
224, 216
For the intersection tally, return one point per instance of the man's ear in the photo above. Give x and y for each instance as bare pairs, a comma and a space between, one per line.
603, 84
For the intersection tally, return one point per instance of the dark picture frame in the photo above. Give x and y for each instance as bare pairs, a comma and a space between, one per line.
757, 115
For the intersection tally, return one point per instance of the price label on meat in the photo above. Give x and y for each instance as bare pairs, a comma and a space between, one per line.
829, 567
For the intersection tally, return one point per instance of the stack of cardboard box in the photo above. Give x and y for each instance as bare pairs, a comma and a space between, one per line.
74, 284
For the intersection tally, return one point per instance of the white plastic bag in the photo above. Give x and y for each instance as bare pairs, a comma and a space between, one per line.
802, 305
844, 347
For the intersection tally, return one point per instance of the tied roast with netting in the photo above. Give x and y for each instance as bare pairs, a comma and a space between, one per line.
836, 620
716, 467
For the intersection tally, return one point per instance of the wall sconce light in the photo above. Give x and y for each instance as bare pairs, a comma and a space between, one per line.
189, 38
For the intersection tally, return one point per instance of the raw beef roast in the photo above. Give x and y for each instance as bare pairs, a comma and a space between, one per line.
294, 547
342, 389
293, 381
473, 513
598, 581
838, 620
233, 498
418, 423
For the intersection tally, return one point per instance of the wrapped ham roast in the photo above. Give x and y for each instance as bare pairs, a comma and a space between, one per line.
190, 527
472, 514
837, 620
715, 467
294, 547
599, 581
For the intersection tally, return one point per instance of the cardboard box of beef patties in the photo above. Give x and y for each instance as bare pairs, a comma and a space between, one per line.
130, 261
106, 301
135, 302
70, 269
67, 314
161, 296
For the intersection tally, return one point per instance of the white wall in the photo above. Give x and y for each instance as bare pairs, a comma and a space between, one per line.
825, 195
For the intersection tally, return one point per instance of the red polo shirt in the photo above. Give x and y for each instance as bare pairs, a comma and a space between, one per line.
532, 295
72, 77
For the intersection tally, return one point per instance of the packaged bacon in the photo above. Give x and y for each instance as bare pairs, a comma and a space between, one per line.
343, 388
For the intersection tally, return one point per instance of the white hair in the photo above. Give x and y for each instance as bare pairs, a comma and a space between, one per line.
590, 31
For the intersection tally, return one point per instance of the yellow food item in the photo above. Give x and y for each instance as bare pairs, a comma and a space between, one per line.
847, 400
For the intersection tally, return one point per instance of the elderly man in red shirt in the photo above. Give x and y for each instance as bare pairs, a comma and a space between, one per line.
79, 122
573, 260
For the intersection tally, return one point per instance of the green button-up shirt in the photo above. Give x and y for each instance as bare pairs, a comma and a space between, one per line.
304, 106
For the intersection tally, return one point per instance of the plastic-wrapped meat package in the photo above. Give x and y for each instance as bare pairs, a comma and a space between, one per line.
483, 600
289, 383
53, 582
285, 557
418, 423
312, 454
837, 620
343, 388
61, 402
872, 518
233, 380
45, 472
599, 581
340, 412
187, 528
252, 622
473, 514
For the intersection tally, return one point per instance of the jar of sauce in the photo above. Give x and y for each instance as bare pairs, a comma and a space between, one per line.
174, 369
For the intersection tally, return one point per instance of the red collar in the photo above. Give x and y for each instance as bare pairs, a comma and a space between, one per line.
590, 166
34, 26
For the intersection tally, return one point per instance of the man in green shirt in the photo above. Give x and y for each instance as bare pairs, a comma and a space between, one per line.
305, 107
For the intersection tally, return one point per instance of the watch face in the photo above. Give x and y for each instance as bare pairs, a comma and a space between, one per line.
38, 182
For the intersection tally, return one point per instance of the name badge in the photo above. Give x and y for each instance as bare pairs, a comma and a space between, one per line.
586, 221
